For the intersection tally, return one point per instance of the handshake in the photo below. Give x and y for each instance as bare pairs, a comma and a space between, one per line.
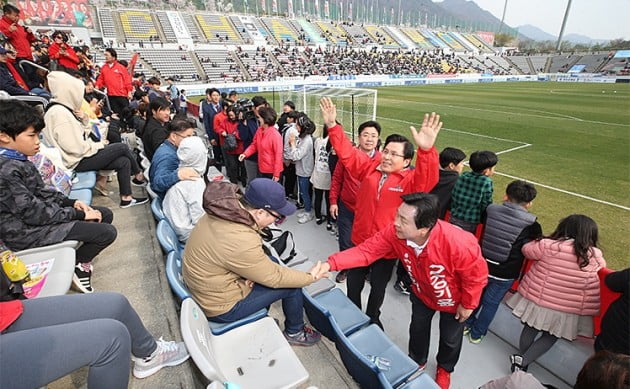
320, 270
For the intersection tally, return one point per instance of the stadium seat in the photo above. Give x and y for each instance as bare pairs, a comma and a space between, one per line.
334, 305
84, 195
255, 355
156, 209
59, 278
174, 275
167, 237
320, 286
84, 180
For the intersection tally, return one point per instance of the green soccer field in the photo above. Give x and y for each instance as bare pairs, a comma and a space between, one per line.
572, 138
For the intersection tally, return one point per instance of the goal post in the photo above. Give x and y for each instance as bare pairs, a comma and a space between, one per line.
354, 105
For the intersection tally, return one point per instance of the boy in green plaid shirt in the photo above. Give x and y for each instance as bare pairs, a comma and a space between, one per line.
473, 191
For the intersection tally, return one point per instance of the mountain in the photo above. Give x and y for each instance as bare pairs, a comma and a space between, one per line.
469, 10
583, 39
535, 33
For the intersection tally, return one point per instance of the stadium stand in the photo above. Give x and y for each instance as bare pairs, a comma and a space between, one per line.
281, 29
171, 63
264, 32
165, 24
219, 65
592, 62
358, 34
332, 32
219, 29
478, 42
311, 32
259, 64
539, 62
450, 41
461, 39
522, 63
292, 61
437, 42
417, 38
381, 36
562, 63
502, 64
193, 27
106, 22
137, 25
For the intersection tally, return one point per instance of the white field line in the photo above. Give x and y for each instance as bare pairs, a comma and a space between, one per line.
513, 149
510, 112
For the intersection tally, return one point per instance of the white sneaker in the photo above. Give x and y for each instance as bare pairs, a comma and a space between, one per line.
306, 217
166, 354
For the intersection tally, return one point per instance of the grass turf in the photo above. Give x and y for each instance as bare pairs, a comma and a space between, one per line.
572, 137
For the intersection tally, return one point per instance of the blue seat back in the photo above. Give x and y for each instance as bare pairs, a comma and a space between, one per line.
156, 208
318, 316
167, 237
174, 275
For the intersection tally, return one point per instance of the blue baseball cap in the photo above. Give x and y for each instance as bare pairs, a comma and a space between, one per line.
265, 193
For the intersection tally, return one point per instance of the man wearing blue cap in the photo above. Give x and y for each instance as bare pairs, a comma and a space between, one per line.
224, 266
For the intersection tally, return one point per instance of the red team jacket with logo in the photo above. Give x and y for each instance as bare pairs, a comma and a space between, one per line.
449, 271
376, 209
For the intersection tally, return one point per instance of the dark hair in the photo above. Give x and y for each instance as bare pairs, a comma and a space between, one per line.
451, 155
268, 115
158, 104
210, 91
224, 95
10, 9
408, 150
307, 127
123, 63
154, 81
112, 52
182, 91
62, 34
369, 123
583, 230
295, 115
482, 160
258, 100
605, 369
289, 104
225, 104
427, 208
180, 123
520, 192
325, 131
17, 116
233, 93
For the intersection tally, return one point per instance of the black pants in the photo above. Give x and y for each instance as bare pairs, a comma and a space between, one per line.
451, 334
380, 273
319, 194
402, 275
118, 103
116, 157
95, 236
231, 166
290, 179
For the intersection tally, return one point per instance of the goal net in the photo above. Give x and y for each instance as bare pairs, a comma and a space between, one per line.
354, 105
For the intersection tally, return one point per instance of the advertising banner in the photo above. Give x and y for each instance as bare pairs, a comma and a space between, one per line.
70, 13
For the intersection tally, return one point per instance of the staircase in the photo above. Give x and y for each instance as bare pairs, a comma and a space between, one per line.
120, 35
195, 61
240, 64
158, 27
531, 65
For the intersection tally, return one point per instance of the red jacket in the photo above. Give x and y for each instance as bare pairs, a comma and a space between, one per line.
378, 208
230, 128
268, 144
70, 61
449, 271
218, 123
116, 79
343, 186
20, 39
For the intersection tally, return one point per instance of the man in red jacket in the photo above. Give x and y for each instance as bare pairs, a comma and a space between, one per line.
19, 36
383, 180
117, 80
447, 270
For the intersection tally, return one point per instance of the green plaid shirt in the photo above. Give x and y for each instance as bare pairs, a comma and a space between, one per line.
471, 195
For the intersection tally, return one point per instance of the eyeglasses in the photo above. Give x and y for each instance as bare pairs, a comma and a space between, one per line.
386, 152
279, 218
183, 136
58, 37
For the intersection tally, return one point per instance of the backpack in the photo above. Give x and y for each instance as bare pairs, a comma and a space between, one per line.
279, 243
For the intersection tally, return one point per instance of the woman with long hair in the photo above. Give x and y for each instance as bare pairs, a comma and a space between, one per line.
559, 295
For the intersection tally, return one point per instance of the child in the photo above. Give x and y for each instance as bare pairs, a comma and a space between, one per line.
321, 179
559, 295
32, 215
508, 227
301, 151
473, 191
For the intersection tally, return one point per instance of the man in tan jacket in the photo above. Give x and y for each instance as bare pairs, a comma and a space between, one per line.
225, 267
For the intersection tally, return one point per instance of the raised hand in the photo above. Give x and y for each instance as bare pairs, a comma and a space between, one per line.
431, 125
329, 111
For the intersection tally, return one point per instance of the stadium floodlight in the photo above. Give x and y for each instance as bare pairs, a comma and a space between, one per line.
354, 105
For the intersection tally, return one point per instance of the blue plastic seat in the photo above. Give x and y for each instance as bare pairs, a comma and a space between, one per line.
358, 349
167, 237
174, 275
84, 195
221, 328
156, 208
84, 180
334, 305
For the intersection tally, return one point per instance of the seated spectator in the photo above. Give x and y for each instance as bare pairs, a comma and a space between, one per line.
183, 201
508, 227
224, 264
63, 53
67, 129
165, 171
615, 333
472, 192
154, 133
65, 333
8, 82
33, 215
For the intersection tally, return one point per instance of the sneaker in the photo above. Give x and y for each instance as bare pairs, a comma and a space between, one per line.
341, 276
474, 340
137, 182
320, 220
400, 287
306, 217
299, 205
517, 363
466, 330
82, 277
333, 230
102, 191
329, 226
306, 337
133, 201
442, 378
166, 354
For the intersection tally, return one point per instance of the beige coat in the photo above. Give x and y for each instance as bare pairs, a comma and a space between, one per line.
63, 130
225, 249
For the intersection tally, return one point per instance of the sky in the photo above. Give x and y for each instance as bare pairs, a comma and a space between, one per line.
597, 19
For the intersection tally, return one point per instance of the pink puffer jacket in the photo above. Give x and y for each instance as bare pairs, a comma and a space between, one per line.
556, 281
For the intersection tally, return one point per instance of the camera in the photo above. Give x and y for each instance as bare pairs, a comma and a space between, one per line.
246, 107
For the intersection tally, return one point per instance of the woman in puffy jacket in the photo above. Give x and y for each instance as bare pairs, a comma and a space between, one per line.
559, 295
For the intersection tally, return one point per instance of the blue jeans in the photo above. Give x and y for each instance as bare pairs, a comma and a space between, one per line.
262, 297
481, 318
304, 186
41, 92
